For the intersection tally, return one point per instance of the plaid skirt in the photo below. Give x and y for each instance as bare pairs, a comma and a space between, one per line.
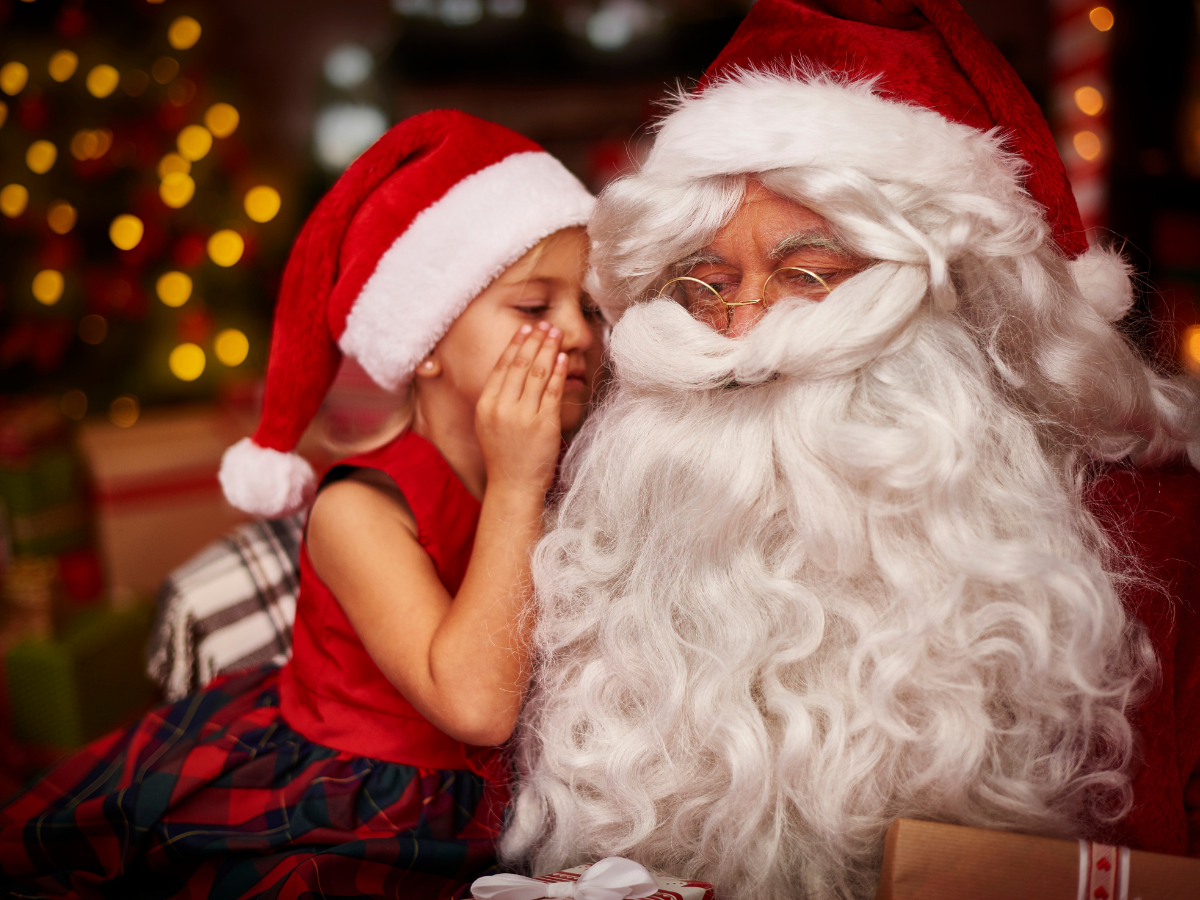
215, 796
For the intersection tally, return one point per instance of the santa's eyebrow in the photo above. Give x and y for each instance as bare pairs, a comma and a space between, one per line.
809, 240
688, 263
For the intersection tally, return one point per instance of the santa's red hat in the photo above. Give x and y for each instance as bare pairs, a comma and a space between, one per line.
899, 89
420, 224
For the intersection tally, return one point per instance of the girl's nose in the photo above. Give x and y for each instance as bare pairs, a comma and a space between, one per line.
577, 333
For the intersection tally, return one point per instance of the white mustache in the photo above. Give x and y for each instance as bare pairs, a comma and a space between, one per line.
657, 345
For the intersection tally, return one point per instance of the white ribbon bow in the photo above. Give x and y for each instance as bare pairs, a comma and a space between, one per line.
614, 878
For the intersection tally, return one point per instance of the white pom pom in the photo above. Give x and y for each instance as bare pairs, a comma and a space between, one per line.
1104, 278
265, 482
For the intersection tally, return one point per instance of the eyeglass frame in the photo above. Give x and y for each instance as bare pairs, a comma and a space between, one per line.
730, 305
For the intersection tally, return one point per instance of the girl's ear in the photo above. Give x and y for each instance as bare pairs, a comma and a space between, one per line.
429, 367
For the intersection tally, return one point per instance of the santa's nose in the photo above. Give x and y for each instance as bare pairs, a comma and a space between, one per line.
746, 315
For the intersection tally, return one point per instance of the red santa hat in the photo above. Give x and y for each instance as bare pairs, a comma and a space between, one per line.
900, 89
413, 231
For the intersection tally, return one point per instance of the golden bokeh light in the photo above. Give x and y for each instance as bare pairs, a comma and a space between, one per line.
174, 288
48, 287
183, 33
93, 329
73, 405
40, 157
231, 347
164, 69
173, 162
1089, 100
61, 216
226, 247
177, 189
186, 362
222, 119
1087, 144
13, 76
124, 411
262, 203
63, 65
91, 144
102, 80
194, 142
135, 81
126, 231
1189, 349
13, 200
1101, 18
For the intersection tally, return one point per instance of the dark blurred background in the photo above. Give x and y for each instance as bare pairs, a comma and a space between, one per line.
157, 158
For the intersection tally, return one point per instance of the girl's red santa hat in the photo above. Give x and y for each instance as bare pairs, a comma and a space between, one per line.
906, 90
420, 224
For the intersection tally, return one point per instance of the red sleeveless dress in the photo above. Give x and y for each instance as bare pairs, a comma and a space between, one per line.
317, 779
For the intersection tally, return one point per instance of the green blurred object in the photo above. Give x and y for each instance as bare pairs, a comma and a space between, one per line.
44, 504
68, 691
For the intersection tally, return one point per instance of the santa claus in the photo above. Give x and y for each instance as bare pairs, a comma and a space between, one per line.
868, 525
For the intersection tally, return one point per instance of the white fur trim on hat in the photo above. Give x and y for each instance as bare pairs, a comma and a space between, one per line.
1106, 280
752, 121
265, 482
432, 271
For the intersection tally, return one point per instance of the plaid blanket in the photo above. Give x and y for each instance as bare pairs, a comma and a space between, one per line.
230, 607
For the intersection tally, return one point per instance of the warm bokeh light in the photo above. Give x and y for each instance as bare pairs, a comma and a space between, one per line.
1190, 349
173, 162
231, 347
1089, 100
63, 65
222, 119
186, 362
91, 144
102, 80
183, 33
124, 411
262, 203
164, 69
13, 200
1102, 18
48, 286
3, 112
135, 81
61, 216
1087, 144
126, 231
40, 157
92, 329
176, 189
181, 91
73, 405
194, 142
174, 288
13, 76
225, 247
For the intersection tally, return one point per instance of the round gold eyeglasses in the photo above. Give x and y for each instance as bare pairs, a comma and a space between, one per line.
706, 304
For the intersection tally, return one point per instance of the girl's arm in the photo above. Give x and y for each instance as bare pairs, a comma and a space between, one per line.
462, 661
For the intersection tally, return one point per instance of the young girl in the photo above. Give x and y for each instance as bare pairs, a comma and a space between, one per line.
448, 261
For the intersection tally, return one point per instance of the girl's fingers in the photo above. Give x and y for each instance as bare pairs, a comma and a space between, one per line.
518, 369
551, 400
541, 369
495, 379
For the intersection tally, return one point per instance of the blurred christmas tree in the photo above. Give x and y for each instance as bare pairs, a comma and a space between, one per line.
139, 245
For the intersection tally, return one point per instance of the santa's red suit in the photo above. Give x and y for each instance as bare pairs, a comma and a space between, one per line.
1155, 512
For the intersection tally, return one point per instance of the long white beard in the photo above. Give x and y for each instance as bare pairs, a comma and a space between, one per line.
804, 583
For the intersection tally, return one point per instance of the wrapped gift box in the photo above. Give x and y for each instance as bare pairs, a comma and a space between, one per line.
931, 861
65, 692
155, 495
668, 888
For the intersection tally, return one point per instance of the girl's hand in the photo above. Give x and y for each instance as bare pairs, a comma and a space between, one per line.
518, 417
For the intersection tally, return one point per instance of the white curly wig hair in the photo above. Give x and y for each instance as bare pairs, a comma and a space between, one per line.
839, 570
